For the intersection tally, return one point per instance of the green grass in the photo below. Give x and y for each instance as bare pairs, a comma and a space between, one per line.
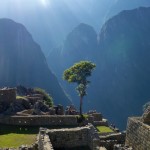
15, 140
85, 116
104, 129
13, 136
20, 97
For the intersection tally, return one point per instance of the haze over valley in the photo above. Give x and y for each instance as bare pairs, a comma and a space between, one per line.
42, 38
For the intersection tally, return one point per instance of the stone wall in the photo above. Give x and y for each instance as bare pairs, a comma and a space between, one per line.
67, 138
8, 95
44, 142
121, 147
74, 137
97, 116
138, 134
37, 120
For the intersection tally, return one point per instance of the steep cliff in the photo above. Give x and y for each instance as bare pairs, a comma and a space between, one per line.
23, 63
80, 44
121, 82
124, 58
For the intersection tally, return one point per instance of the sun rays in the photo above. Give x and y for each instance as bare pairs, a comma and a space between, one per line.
45, 3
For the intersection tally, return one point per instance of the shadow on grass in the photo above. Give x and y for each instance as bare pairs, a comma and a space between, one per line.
6, 129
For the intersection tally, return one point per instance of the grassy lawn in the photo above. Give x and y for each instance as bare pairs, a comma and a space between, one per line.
12, 136
15, 140
104, 129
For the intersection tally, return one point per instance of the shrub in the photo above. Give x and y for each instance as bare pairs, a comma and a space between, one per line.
47, 98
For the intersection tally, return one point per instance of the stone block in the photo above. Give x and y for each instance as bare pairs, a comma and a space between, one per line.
97, 116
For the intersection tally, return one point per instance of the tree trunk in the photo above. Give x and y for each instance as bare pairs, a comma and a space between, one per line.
81, 98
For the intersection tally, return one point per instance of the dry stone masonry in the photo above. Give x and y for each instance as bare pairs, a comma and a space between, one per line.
146, 116
138, 134
69, 138
8, 95
54, 120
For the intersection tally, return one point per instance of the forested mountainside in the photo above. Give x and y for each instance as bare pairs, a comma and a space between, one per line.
23, 63
121, 82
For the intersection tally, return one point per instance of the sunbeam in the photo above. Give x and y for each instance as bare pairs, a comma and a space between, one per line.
45, 3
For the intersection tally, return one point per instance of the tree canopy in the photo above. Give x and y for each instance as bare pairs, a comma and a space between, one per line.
78, 73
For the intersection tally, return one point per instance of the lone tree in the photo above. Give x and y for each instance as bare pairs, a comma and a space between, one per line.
78, 73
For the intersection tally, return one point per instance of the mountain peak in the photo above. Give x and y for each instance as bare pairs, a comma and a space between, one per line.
23, 63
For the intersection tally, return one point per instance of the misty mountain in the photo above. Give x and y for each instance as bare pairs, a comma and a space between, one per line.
81, 43
124, 59
120, 5
23, 63
120, 84
51, 22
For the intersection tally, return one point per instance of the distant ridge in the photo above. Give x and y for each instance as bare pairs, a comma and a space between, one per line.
23, 63
121, 82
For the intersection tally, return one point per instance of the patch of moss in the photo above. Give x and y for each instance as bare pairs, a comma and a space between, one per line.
104, 129
20, 97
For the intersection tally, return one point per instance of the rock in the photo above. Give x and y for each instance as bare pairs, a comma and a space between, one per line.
146, 116
40, 105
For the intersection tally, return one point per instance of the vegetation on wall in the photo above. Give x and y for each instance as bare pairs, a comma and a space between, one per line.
47, 98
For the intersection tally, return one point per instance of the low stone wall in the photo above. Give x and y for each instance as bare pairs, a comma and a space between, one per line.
44, 142
71, 137
110, 139
101, 123
97, 116
138, 134
93, 138
74, 137
45, 120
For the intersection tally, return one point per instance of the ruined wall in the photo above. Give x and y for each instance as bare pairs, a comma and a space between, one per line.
138, 134
44, 142
74, 137
37, 120
68, 137
8, 95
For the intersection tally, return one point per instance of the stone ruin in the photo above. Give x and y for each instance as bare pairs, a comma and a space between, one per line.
71, 110
29, 103
30, 110
67, 138
7, 96
138, 131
